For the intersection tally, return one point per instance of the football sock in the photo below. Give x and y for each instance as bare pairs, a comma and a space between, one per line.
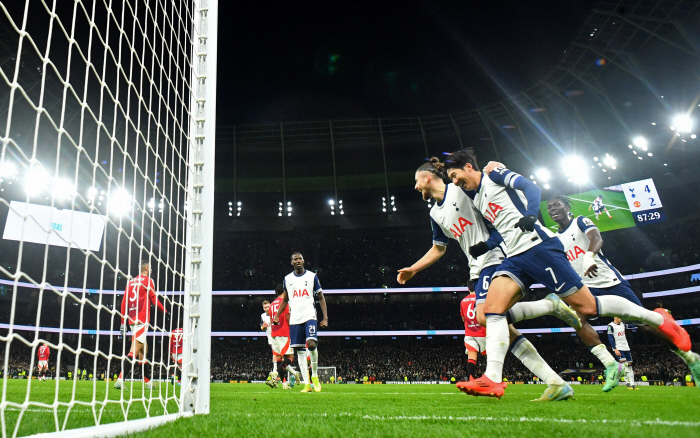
688, 356
290, 369
303, 367
497, 341
630, 374
528, 355
529, 310
603, 354
471, 367
610, 305
313, 354
608, 214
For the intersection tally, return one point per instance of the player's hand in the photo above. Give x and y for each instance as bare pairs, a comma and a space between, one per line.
276, 320
265, 325
492, 165
479, 249
526, 223
324, 322
589, 264
617, 353
405, 274
122, 330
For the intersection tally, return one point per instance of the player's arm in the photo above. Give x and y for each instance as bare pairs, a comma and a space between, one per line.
154, 298
532, 192
593, 234
285, 302
263, 327
321, 300
125, 298
433, 255
492, 165
493, 241
611, 340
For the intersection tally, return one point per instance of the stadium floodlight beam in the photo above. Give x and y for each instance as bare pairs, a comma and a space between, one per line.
640, 142
575, 169
62, 189
119, 202
331, 202
683, 123
37, 180
91, 193
8, 170
543, 175
610, 161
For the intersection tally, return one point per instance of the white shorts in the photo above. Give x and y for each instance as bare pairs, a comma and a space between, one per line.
280, 346
475, 344
139, 331
43, 364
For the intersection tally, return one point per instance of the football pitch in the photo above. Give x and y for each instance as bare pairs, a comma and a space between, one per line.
399, 410
614, 201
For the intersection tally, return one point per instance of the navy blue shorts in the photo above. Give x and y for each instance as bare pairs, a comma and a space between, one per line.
623, 290
627, 355
300, 333
481, 286
545, 263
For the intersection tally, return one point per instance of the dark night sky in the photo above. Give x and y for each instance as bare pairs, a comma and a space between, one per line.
320, 60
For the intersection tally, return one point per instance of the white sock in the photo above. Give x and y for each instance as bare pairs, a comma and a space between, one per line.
688, 356
611, 305
630, 374
529, 310
313, 354
303, 367
608, 213
603, 354
290, 369
497, 341
528, 355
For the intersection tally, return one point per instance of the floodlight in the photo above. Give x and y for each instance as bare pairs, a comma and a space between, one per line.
331, 202
8, 169
609, 161
683, 123
543, 175
119, 202
575, 169
640, 142
91, 193
37, 180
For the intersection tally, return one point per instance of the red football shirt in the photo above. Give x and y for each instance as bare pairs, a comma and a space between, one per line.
176, 341
140, 294
281, 329
467, 309
43, 352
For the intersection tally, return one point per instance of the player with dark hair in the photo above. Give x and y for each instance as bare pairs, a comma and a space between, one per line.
454, 215
300, 289
43, 356
139, 296
583, 245
282, 352
511, 203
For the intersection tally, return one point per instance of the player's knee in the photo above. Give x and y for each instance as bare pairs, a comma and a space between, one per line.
310, 345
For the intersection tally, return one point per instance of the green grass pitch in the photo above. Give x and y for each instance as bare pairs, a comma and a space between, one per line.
254, 410
614, 201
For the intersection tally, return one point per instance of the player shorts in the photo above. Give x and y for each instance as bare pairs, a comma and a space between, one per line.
139, 332
475, 344
43, 364
545, 263
177, 359
300, 333
481, 286
624, 290
627, 355
280, 346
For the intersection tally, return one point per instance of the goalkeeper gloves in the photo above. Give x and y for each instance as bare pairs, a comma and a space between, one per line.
122, 330
526, 223
479, 249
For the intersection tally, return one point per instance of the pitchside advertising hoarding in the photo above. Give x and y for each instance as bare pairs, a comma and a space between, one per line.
44, 224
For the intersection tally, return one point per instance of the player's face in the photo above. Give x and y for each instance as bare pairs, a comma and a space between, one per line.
298, 261
617, 320
464, 177
266, 307
423, 184
557, 210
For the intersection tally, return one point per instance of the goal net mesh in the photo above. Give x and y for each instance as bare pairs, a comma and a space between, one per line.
325, 374
96, 174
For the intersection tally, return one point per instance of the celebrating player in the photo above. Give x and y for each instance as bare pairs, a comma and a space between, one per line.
599, 207
282, 353
454, 214
511, 203
176, 350
618, 341
139, 296
302, 320
43, 355
583, 245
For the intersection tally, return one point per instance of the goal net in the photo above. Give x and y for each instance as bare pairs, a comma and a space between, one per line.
325, 374
107, 124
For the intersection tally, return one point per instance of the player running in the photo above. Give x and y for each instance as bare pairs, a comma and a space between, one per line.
583, 245
139, 296
454, 214
618, 341
176, 350
598, 207
43, 355
511, 203
300, 288
282, 353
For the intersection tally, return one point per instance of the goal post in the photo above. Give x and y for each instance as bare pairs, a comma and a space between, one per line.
325, 374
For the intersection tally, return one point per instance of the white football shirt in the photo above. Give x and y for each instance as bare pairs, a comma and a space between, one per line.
576, 243
264, 317
457, 218
618, 331
301, 292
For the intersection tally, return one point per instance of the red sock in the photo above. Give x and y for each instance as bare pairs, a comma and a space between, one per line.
145, 379
120, 375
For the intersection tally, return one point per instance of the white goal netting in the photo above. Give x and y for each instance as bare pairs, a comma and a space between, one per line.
107, 125
325, 374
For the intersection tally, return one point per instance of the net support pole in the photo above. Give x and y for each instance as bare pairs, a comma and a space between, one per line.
200, 230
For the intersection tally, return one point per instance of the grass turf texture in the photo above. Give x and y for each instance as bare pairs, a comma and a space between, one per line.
419, 410
614, 201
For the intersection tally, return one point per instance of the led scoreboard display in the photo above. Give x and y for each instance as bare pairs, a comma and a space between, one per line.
644, 202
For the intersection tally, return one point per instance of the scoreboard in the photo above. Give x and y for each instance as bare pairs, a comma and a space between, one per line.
644, 202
